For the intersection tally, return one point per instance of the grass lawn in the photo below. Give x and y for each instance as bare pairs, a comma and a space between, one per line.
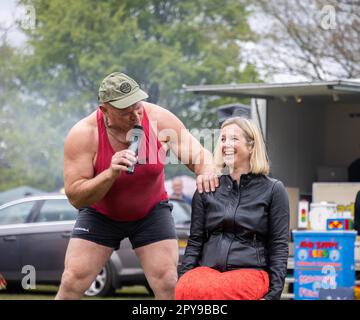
48, 293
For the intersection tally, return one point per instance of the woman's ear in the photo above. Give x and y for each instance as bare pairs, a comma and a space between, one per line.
251, 148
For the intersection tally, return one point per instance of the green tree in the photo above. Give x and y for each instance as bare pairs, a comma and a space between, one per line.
162, 44
29, 147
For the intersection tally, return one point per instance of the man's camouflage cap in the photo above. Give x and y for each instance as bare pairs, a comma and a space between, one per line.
120, 90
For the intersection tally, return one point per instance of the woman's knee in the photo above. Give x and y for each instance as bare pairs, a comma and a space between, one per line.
196, 284
187, 290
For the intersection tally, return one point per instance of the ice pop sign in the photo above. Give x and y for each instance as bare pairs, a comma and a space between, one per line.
321, 249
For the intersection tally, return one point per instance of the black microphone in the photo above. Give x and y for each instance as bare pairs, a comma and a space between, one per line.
135, 141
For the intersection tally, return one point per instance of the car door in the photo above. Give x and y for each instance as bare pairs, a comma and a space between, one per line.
13, 220
182, 218
44, 246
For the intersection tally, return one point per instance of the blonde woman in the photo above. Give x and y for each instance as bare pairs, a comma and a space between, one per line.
238, 245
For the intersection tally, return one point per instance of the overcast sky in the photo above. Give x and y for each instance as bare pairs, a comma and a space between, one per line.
6, 6
9, 12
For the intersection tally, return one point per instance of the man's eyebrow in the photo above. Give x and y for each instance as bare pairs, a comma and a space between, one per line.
129, 111
124, 112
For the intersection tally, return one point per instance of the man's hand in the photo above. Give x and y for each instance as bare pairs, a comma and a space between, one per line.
121, 160
207, 182
186, 148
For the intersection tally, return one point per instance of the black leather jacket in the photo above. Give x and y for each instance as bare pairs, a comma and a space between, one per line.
244, 226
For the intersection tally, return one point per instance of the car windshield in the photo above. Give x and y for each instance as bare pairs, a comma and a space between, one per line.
181, 212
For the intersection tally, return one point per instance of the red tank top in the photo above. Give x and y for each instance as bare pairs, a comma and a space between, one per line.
132, 196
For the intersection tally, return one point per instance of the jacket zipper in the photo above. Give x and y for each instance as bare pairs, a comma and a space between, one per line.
256, 248
227, 257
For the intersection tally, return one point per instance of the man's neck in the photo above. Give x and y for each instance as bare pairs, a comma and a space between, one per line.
118, 134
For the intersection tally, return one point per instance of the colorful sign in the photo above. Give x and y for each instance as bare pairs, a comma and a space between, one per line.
322, 260
3, 283
346, 209
339, 224
303, 214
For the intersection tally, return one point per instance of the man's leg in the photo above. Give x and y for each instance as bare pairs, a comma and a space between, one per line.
159, 261
83, 262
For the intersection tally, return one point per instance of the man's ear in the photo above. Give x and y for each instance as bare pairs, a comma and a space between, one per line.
103, 108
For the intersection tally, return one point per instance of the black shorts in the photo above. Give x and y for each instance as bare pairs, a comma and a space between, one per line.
93, 226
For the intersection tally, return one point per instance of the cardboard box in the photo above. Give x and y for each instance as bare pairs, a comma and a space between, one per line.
342, 193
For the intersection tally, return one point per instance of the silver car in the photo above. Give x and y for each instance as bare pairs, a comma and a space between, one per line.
35, 231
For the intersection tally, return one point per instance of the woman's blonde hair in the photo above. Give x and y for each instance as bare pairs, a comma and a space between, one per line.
259, 162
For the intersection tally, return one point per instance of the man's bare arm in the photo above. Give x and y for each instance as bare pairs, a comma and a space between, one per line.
188, 150
81, 187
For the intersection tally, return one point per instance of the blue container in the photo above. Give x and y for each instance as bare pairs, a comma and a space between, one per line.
323, 260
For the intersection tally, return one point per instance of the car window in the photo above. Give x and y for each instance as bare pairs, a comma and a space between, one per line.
181, 212
56, 210
16, 213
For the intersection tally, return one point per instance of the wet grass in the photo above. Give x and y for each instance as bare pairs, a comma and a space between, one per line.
43, 292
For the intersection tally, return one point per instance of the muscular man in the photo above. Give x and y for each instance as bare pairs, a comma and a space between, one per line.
114, 205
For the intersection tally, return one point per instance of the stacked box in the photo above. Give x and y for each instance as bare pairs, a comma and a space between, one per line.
339, 224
